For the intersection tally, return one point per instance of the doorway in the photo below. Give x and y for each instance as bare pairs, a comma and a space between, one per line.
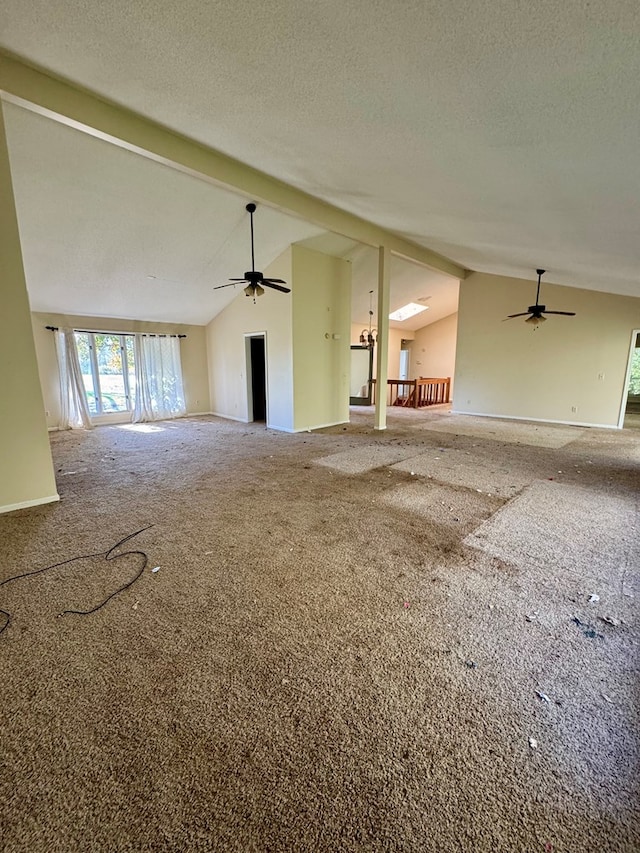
404, 363
256, 378
630, 410
361, 375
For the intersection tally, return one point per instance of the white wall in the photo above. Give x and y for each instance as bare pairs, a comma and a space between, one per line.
321, 346
226, 351
193, 356
515, 369
433, 351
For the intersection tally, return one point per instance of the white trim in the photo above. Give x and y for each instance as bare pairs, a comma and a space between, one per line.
625, 388
26, 504
535, 420
115, 418
318, 426
249, 376
119, 423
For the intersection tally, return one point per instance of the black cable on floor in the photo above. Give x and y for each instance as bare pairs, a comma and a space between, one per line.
108, 555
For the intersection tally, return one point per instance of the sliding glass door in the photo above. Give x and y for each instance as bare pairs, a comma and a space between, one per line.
107, 365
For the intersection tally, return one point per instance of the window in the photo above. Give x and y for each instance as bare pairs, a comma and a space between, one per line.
108, 371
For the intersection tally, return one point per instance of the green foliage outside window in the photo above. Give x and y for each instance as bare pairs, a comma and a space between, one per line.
634, 378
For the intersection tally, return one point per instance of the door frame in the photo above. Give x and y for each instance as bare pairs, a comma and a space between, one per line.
408, 360
625, 389
249, 375
364, 401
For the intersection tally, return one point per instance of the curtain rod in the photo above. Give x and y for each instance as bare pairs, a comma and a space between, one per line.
93, 332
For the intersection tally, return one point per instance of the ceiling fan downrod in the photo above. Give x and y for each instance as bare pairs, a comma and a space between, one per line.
251, 208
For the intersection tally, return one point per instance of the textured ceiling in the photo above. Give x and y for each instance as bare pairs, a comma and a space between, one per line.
501, 134
109, 233
410, 282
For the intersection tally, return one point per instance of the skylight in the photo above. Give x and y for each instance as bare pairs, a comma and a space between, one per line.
407, 311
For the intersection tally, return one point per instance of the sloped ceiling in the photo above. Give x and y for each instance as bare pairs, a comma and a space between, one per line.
503, 135
108, 233
410, 282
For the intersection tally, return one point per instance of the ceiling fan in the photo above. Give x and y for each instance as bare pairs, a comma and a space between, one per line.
254, 278
536, 312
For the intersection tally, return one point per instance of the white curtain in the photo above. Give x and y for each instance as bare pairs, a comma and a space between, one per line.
159, 391
74, 411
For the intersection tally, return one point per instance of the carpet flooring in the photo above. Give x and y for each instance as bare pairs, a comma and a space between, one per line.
424, 639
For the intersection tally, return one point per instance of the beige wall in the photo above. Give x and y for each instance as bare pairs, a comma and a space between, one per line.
227, 354
307, 373
26, 468
396, 336
321, 353
433, 351
193, 356
514, 369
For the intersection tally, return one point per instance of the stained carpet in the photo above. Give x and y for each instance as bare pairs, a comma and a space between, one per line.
321, 662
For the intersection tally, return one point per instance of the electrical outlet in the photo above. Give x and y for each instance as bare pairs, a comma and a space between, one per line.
601, 376
47, 412
574, 408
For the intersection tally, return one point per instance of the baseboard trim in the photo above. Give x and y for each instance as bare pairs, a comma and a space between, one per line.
26, 504
536, 420
272, 426
318, 426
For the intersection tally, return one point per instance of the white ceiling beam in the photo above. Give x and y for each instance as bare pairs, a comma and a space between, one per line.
50, 96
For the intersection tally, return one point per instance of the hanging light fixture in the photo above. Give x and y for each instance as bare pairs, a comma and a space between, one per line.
535, 319
369, 337
253, 290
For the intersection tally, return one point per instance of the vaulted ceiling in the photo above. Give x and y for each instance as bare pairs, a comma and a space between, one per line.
106, 232
503, 136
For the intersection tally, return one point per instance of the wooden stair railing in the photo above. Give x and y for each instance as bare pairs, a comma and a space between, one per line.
417, 393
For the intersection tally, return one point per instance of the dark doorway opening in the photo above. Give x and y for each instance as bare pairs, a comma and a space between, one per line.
258, 379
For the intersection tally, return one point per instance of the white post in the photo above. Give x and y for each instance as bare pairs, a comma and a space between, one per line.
384, 287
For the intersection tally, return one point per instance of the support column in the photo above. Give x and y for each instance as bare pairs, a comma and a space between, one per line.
382, 364
26, 467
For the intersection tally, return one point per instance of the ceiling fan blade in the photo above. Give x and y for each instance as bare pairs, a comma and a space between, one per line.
566, 313
269, 283
523, 314
254, 278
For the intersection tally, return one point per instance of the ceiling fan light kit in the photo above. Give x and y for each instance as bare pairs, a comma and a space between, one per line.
253, 278
535, 313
